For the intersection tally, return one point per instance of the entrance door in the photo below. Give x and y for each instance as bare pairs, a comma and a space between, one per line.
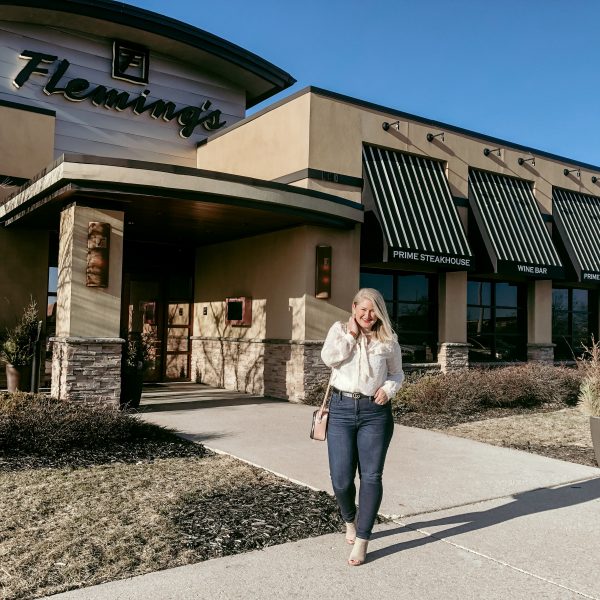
160, 309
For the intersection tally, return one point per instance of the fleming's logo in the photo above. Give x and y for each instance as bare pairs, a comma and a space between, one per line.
130, 62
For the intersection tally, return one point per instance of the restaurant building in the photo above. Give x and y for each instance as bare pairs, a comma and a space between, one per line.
137, 197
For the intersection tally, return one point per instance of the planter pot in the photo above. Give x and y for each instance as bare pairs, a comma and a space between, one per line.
18, 379
595, 430
131, 388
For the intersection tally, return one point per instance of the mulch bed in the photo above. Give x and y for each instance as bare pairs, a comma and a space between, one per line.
576, 454
443, 420
250, 518
142, 451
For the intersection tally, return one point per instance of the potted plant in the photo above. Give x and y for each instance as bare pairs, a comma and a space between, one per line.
18, 349
589, 392
137, 357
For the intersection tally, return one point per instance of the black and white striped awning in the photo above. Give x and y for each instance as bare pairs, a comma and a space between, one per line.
577, 219
415, 208
511, 226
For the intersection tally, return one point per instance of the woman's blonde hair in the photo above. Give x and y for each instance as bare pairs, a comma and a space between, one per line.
382, 329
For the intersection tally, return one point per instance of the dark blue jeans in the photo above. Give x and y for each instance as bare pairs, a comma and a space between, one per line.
358, 436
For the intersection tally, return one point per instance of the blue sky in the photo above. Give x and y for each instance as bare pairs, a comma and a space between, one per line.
524, 71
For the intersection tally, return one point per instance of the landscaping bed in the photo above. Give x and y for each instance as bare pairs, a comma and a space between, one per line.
528, 407
82, 508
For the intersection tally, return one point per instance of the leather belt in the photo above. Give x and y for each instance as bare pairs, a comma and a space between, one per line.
353, 395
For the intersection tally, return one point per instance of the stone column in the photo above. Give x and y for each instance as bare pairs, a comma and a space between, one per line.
453, 349
539, 321
86, 354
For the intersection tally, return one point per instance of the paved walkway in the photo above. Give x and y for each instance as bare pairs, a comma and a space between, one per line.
470, 520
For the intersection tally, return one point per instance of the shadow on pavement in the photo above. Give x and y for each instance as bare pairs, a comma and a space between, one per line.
187, 403
523, 504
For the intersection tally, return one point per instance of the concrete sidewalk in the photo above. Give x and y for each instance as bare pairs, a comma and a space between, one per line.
471, 520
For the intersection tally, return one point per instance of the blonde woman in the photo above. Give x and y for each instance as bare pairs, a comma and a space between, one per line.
366, 364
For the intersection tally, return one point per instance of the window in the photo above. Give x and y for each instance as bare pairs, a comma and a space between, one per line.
411, 300
573, 320
496, 321
51, 310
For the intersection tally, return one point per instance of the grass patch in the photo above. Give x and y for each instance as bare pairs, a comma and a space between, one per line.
562, 434
119, 497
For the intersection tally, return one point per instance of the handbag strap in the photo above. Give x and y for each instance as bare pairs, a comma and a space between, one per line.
326, 397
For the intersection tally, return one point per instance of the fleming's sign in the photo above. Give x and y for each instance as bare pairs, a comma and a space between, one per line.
130, 63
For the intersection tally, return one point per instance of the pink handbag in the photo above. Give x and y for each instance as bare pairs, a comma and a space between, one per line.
320, 418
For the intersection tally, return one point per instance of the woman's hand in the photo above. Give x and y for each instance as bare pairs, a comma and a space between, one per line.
381, 397
353, 326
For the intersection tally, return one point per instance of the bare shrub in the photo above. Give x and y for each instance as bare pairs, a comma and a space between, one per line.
58, 431
474, 390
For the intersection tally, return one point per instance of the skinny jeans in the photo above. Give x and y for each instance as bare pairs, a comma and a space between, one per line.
358, 436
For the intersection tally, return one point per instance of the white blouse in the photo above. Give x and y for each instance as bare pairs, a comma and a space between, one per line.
361, 367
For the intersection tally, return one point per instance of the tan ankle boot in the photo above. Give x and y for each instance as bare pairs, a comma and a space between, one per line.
359, 552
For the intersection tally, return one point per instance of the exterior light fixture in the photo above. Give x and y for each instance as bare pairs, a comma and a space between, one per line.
567, 172
522, 160
387, 125
594, 178
323, 273
431, 136
488, 151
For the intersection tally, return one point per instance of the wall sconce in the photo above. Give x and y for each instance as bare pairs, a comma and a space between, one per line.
387, 125
431, 136
594, 178
98, 248
323, 273
522, 160
488, 151
567, 172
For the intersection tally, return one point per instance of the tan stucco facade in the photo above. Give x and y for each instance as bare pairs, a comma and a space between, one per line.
339, 127
30, 137
83, 311
278, 271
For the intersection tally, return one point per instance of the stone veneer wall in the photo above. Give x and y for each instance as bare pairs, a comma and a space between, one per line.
87, 369
540, 353
292, 370
453, 356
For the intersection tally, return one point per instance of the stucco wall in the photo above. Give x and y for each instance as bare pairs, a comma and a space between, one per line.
338, 128
274, 145
278, 271
88, 311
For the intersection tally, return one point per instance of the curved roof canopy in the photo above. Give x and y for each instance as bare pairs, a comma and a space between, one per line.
258, 77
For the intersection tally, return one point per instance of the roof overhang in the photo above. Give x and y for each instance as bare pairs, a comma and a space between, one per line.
165, 201
242, 68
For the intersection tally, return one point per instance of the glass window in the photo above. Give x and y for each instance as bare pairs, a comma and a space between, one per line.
572, 321
560, 299
411, 300
506, 294
479, 292
413, 288
52, 280
496, 321
580, 300
382, 282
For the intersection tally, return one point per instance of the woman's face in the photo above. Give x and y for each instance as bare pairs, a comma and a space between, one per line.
364, 313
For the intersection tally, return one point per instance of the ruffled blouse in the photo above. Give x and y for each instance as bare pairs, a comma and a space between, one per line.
360, 367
